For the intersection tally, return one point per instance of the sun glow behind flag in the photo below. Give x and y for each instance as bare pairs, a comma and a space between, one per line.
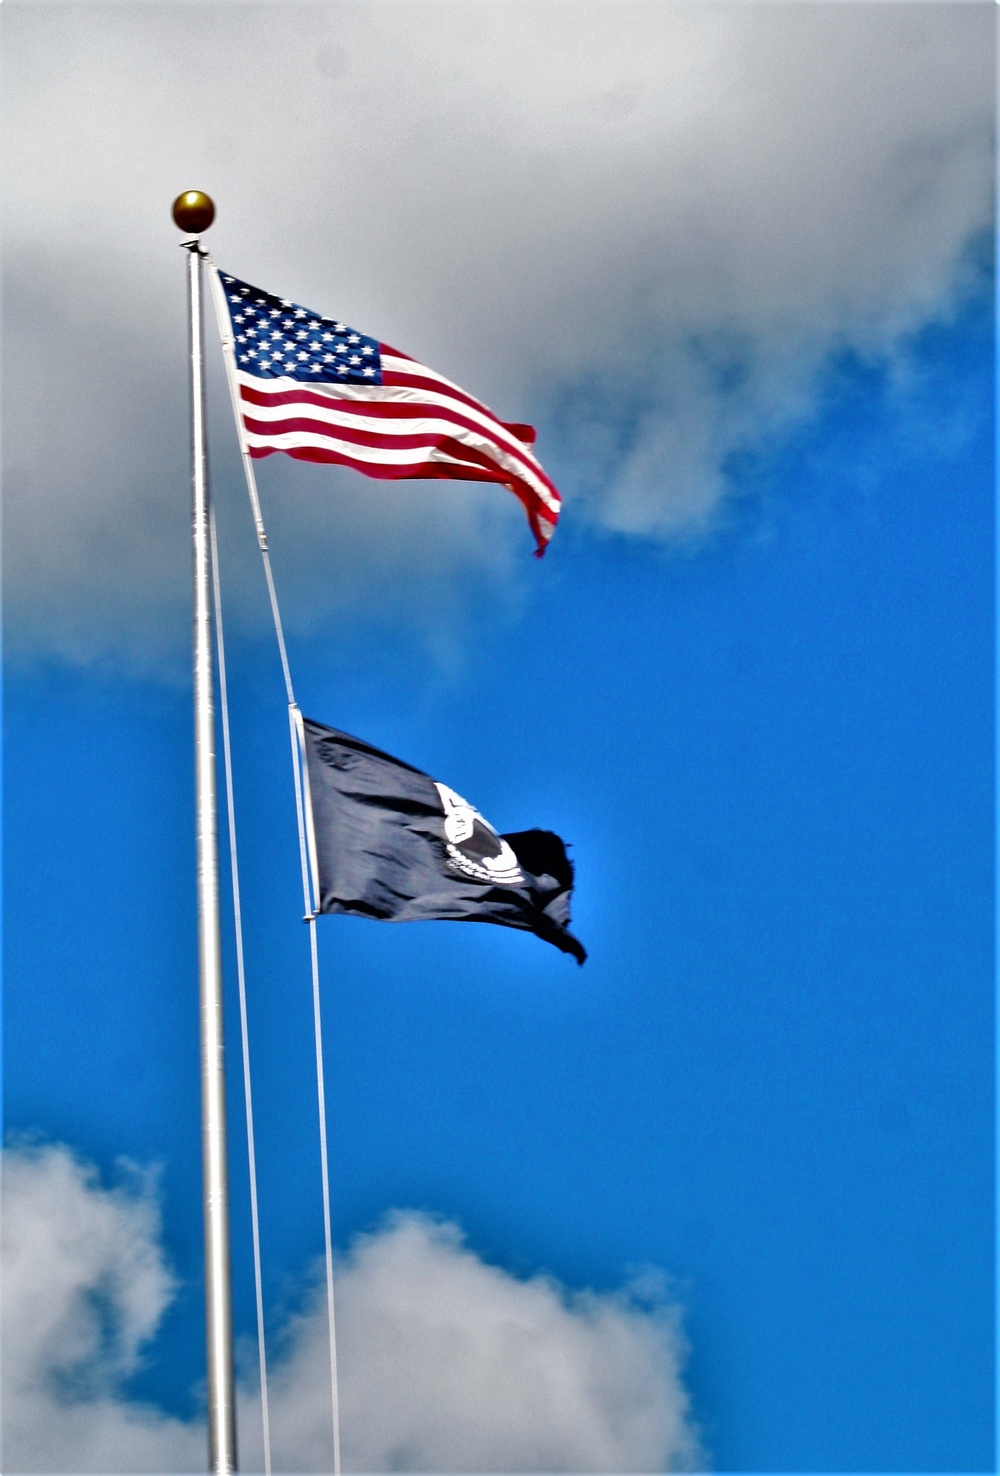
320, 391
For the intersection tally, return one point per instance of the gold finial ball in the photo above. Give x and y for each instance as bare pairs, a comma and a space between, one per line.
193, 212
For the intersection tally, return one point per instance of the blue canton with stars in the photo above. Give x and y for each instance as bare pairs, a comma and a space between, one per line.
277, 339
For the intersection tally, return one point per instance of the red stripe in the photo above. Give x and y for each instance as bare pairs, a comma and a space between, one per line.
470, 464
413, 379
378, 440
420, 377
473, 467
377, 409
306, 395
394, 379
523, 434
465, 465
390, 410
365, 437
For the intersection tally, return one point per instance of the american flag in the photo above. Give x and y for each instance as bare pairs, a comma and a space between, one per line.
316, 389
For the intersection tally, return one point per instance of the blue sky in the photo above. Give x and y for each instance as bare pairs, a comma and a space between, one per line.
754, 695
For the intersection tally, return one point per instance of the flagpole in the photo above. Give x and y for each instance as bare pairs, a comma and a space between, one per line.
194, 212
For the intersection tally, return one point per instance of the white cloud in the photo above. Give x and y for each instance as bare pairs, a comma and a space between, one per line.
84, 1285
446, 1363
646, 227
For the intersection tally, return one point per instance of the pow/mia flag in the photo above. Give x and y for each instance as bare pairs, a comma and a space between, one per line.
392, 843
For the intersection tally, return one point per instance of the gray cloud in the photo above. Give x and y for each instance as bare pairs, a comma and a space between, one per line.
447, 1363
645, 227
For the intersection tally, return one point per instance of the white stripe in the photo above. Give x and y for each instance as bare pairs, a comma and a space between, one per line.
410, 366
426, 426
401, 393
521, 463
327, 415
377, 455
431, 378
293, 440
404, 456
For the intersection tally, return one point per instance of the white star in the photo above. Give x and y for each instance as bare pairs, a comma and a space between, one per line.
369, 371
314, 369
265, 363
327, 337
252, 353
275, 312
327, 358
355, 359
301, 313
241, 338
354, 338
238, 318
251, 333
341, 368
303, 354
367, 349
339, 328
243, 358
302, 333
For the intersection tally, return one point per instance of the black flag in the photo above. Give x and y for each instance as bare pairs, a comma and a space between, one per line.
390, 842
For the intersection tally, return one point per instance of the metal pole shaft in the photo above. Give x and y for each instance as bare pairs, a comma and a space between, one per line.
218, 1296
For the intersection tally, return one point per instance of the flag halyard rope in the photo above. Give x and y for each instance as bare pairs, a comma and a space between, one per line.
225, 333
241, 977
306, 840
310, 896
324, 1164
